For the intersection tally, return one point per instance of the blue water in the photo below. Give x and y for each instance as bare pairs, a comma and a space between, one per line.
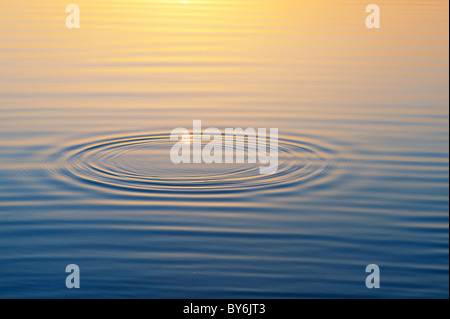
86, 177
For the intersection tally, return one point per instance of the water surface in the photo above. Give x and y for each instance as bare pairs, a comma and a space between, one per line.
86, 177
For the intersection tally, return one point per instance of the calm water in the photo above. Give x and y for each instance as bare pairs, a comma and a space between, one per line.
86, 178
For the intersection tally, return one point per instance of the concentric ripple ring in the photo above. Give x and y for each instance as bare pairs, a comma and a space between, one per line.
141, 164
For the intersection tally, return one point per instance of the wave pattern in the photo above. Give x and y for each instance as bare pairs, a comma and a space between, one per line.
86, 177
141, 164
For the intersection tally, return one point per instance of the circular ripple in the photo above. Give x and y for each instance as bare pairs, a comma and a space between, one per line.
141, 164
